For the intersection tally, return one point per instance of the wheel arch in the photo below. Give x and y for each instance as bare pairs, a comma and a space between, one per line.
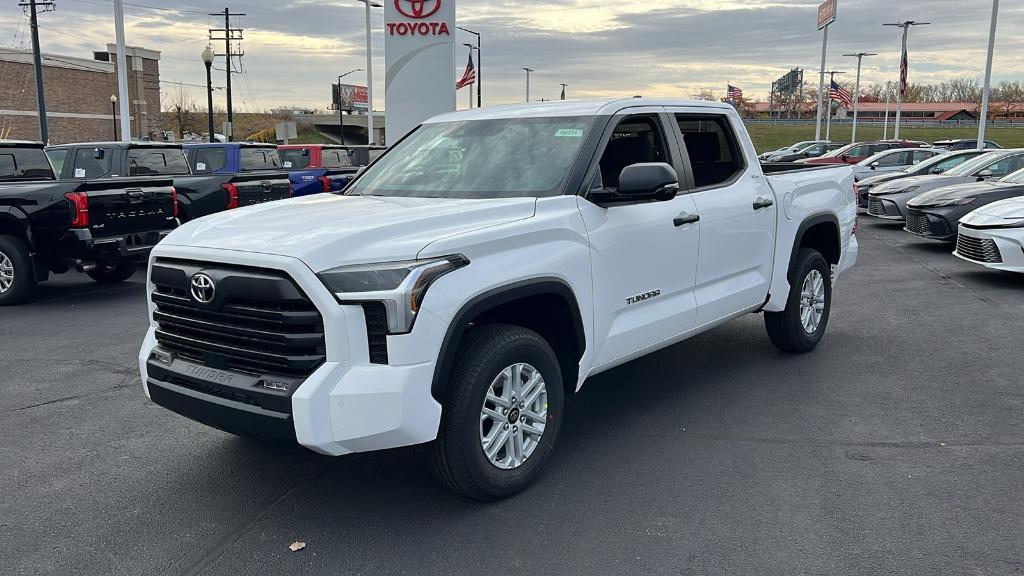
517, 304
821, 232
14, 224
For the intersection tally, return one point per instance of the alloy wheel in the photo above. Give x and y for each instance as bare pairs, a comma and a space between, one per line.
6, 273
812, 301
513, 416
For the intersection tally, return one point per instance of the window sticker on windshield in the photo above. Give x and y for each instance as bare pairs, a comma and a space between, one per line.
569, 133
79, 172
287, 164
200, 166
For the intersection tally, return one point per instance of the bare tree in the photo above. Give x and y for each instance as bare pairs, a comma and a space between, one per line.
182, 110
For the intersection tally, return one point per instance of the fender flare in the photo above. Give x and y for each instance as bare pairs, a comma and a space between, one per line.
807, 224
17, 218
492, 299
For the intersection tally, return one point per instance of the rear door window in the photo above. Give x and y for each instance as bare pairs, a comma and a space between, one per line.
156, 162
259, 159
209, 159
92, 162
714, 153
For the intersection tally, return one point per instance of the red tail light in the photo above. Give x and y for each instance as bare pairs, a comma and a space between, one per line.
326, 182
232, 191
174, 199
79, 204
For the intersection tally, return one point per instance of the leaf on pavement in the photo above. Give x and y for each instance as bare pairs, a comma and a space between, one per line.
296, 546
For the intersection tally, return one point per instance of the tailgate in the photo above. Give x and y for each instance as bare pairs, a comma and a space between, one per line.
118, 207
257, 188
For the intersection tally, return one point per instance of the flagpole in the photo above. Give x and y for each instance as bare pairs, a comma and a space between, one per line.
904, 70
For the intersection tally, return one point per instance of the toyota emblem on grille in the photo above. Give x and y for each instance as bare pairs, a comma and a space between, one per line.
203, 288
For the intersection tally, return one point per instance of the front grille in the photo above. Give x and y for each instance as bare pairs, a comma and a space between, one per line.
919, 223
978, 249
259, 321
875, 207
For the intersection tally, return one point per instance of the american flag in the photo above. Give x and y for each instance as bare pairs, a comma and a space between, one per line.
837, 92
903, 73
469, 76
733, 93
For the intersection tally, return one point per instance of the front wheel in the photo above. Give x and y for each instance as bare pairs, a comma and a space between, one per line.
112, 273
502, 413
802, 324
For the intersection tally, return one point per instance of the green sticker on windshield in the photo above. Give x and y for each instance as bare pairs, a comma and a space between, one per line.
569, 133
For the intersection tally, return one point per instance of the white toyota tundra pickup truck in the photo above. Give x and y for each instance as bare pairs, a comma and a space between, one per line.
478, 272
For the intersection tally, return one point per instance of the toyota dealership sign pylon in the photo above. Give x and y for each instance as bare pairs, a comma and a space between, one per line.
419, 53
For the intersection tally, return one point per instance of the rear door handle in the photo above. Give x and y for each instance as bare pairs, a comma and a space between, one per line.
685, 218
763, 203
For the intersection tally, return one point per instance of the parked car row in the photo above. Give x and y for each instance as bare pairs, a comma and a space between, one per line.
100, 207
974, 198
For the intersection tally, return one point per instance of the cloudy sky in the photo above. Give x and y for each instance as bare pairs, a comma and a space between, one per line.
601, 48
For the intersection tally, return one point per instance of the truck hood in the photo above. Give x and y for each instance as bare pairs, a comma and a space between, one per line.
328, 230
1002, 213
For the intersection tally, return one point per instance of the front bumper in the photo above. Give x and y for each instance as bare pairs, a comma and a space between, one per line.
884, 207
80, 244
348, 404
938, 223
995, 248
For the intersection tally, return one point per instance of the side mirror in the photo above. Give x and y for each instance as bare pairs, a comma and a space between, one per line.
643, 181
875, 164
99, 153
845, 157
938, 170
985, 174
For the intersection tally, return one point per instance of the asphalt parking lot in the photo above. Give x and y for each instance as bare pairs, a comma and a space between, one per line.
896, 447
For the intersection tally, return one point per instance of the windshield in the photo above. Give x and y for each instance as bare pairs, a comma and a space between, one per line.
839, 151
1015, 178
972, 166
294, 158
157, 162
504, 158
945, 160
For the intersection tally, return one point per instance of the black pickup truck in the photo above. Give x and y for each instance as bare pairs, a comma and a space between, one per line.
198, 194
100, 227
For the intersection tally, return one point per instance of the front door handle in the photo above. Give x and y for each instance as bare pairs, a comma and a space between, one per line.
685, 218
763, 203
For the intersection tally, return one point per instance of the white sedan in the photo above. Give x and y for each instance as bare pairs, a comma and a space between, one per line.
993, 236
892, 160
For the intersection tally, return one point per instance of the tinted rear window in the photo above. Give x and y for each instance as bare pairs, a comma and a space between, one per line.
259, 159
156, 162
294, 158
209, 159
336, 158
24, 164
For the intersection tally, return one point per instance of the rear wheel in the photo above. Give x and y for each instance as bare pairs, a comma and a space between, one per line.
502, 413
112, 272
802, 324
17, 275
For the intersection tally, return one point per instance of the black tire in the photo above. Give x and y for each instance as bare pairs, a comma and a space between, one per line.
23, 285
113, 272
785, 328
457, 458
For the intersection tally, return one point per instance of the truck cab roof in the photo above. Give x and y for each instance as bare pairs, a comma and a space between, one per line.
573, 108
20, 144
228, 145
123, 145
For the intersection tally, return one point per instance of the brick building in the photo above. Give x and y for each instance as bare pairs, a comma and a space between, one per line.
78, 92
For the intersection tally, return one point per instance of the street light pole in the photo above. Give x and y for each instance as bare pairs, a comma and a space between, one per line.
341, 114
821, 84
369, 72
528, 70
904, 69
113, 113
208, 56
479, 67
856, 93
988, 75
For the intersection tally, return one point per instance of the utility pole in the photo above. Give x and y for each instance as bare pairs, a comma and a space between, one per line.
122, 73
528, 70
37, 60
988, 76
856, 91
831, 79
904, 69
229, 34
564, 86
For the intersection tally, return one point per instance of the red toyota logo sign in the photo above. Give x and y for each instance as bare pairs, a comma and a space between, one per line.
418, 8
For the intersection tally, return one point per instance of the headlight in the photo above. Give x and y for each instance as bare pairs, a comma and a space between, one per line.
908, 190
953, 202
400, 286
